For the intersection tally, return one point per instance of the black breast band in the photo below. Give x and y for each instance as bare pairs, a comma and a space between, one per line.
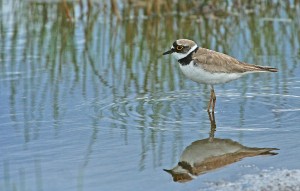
186, 60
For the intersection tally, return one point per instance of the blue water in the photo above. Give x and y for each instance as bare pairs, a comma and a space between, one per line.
92, 105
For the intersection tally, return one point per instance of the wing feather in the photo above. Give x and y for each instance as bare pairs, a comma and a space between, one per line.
213, 61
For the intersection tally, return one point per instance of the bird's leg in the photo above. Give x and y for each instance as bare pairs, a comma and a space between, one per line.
209, 103
214, 99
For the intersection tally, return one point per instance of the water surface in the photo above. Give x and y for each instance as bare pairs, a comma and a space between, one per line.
90, 104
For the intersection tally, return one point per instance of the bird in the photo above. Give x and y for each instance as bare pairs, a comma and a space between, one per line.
210, 67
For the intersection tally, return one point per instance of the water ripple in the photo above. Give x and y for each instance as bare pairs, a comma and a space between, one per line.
187, 108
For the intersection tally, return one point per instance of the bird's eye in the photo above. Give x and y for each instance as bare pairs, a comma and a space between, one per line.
179, 47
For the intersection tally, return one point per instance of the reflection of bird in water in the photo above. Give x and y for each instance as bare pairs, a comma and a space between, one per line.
208, 154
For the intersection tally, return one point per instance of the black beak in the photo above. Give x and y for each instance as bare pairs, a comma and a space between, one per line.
168, 52
168, 171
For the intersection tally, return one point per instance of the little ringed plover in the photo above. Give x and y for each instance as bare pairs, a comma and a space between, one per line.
210, 67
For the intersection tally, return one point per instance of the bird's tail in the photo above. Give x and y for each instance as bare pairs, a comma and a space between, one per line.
266, 68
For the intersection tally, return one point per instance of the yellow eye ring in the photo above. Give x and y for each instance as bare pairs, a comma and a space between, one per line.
179, 47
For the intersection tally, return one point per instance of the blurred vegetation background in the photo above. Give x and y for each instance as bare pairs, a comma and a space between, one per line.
95, 68
114, 47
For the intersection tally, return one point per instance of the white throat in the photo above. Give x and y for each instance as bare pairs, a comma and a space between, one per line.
179, 56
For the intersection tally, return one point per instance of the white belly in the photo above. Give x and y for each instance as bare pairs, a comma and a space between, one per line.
197, 74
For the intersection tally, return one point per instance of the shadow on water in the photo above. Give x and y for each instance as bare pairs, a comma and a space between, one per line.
205, 155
